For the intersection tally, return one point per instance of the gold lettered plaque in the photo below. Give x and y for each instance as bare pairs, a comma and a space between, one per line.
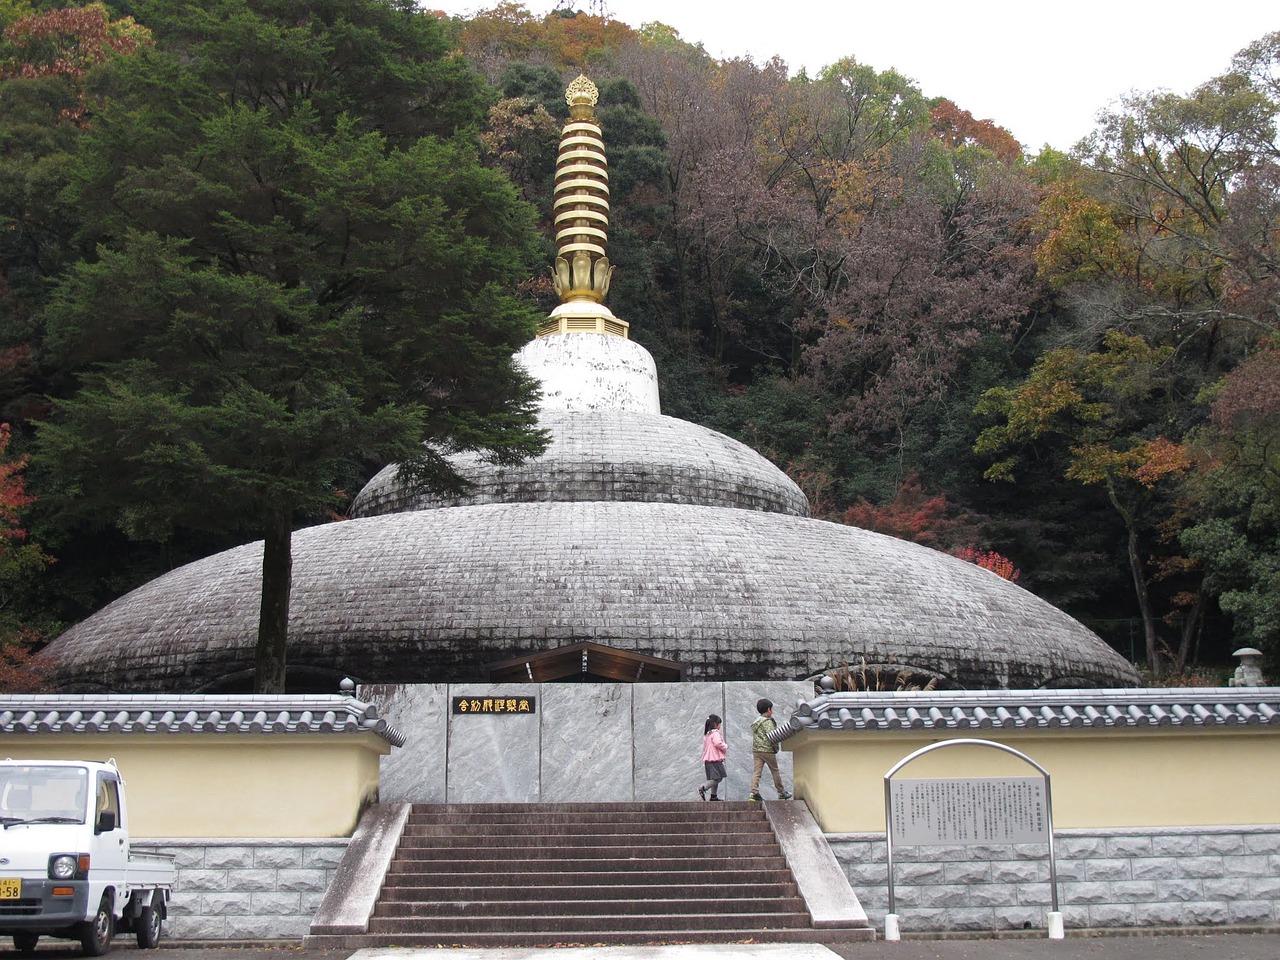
488, 706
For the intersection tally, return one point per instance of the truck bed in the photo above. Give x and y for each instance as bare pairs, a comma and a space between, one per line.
150, 870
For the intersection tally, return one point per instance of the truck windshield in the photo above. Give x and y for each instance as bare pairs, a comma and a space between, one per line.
40, 794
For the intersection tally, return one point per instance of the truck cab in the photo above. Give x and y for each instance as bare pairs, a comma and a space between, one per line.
66, 868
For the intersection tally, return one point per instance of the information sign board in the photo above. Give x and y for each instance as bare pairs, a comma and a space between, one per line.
969, 810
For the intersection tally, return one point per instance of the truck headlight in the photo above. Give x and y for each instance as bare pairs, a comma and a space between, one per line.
63, 866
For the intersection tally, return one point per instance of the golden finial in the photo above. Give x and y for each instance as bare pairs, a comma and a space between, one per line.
582, 269
581, 91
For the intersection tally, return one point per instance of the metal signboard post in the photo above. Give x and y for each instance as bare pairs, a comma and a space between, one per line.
969, 810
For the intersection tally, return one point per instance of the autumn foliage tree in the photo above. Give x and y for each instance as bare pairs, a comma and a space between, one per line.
45, 105
21, 561
829, 266
1098, 405
67, 43
566, 39
997, 563
1236, 535
912, 514
959, 128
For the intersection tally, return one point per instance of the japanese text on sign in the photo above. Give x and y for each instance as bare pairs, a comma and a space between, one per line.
978, 810
491, 705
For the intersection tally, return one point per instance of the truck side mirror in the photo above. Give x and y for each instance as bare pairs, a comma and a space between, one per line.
106, 822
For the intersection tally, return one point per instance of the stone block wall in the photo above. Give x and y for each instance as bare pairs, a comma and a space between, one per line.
246, 889
1118, 878
230, 890
593, 742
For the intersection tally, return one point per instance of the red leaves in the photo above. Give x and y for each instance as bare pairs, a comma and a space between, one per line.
1161, 457
916, 516
13, 495
1250, 398
67, 43
959, 128
997, 563
20, 672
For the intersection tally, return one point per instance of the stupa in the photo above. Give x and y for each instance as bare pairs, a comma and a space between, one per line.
638, 547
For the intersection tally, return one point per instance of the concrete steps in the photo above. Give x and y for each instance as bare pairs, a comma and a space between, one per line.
494, 875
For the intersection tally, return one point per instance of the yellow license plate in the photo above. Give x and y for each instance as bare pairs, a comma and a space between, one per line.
10, 888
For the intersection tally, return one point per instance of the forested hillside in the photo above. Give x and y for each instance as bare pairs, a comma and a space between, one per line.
1063, 367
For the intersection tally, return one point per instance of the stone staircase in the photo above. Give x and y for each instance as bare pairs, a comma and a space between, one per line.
494, 875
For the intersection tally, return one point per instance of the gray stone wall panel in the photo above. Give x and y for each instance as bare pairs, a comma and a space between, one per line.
276, 904
278, 857
414, 772
585, 740
229, 858
1104, 869
1107, 915
494, 758
667, 725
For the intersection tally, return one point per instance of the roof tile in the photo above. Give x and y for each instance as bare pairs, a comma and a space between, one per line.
199, 713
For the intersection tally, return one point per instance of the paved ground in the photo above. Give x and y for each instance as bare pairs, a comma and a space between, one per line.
1262, 946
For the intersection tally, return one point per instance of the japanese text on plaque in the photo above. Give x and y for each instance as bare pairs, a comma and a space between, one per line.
492, 705
976, 810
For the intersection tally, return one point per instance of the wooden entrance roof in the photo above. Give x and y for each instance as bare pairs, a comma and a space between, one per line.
585, 661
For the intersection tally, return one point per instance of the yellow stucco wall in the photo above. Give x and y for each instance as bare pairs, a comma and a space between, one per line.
1148, 778
193, 785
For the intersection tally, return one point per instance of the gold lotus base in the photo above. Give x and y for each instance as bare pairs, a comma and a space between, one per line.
599, 320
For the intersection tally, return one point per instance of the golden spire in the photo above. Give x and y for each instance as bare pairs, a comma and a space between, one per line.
582, 269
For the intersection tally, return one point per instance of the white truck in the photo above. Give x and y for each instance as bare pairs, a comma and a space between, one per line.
66, 869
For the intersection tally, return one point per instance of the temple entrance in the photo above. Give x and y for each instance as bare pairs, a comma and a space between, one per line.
584, 663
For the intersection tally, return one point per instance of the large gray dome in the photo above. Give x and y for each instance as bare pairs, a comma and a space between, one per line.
654, 538
731, 594
611, 455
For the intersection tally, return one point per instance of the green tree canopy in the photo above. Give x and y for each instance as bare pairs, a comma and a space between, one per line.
299, 261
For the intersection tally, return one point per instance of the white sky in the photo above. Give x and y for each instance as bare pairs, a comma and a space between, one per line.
1040, 68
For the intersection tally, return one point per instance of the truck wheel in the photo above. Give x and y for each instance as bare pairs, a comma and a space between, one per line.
25, 943
147, 925
95, 934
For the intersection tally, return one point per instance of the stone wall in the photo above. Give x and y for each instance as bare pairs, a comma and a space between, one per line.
1107, 879
1160, 877
592, 742
246, 889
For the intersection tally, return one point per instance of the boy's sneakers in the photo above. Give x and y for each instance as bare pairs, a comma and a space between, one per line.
756, 798
702, 792
714, 797
784, 795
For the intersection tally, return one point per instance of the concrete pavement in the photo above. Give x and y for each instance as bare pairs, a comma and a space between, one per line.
1220, 947
1144, 946
1213, 947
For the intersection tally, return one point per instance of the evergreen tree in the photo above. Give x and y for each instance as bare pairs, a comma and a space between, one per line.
299, 261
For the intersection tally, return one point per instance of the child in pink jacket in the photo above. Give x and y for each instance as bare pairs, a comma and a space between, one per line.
713, 751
